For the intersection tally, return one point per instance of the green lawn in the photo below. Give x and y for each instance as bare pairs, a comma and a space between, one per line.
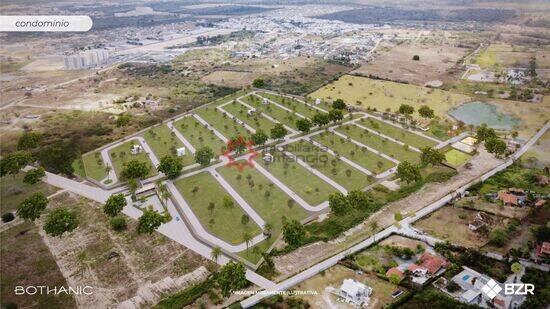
294, 105
363, 157
121, 154
329, 165
397, 133
456, 158
273, 208
277, 113
256, 121
13, 191
308, 186
94, 166
223, 222
164, 143
379, 143
221, 122
198, 135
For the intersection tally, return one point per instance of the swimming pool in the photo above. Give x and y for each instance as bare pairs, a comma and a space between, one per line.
477, 113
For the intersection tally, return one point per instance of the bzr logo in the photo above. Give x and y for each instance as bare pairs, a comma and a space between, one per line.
519, 288
491, 289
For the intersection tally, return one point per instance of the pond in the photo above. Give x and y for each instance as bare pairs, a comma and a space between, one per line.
477, 113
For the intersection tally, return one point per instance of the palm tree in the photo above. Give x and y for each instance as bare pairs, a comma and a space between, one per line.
215, 254
247, 238
373, 227
268, 228
163, 192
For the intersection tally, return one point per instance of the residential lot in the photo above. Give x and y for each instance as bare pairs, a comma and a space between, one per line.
397, 132
13, 191
121, 154
198, 134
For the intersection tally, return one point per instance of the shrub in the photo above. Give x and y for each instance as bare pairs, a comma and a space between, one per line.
118, 223
7, 217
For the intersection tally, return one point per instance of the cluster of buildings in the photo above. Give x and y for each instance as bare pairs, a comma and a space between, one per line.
517, 197
87, 59
428, 266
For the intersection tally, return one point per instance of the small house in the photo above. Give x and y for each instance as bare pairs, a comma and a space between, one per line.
135, 149
180, 152
251, 112
265, 101
512, 197
268, 158
317, 101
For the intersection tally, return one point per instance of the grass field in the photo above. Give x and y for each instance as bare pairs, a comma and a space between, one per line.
363, 157
94, 166
294, 105
379, 143
382, 95
223, 222
271, 203
456, 158
257, 121
121, 154
277, 113
329, 165
402, 135
198, 135
13, 191
222, 123
164, 143
308, 186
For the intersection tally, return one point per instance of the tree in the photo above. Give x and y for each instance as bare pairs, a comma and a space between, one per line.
58, 157
338, 104
416, 57
321, 119
204, 155
164, 193
335, 115
484, 133
170, 166
294, 233
118, 223
59, 221
278, 131
358, 199
408, 172
338, 203
258, 83
498, 237
227, 202
150, 220
135, 169
303, 125
215, 254
232, 277
406, 109
259, 138
29, 140
496, 146
33, 176
32, 207
211, 207
516, 268
394, 278
114, 204
426, 112
268, 229
15, 161
123, 120
431, 156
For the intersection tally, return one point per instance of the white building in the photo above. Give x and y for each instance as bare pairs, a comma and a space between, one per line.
136, 149
180, 152
317, 101
355, 292
88, 59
